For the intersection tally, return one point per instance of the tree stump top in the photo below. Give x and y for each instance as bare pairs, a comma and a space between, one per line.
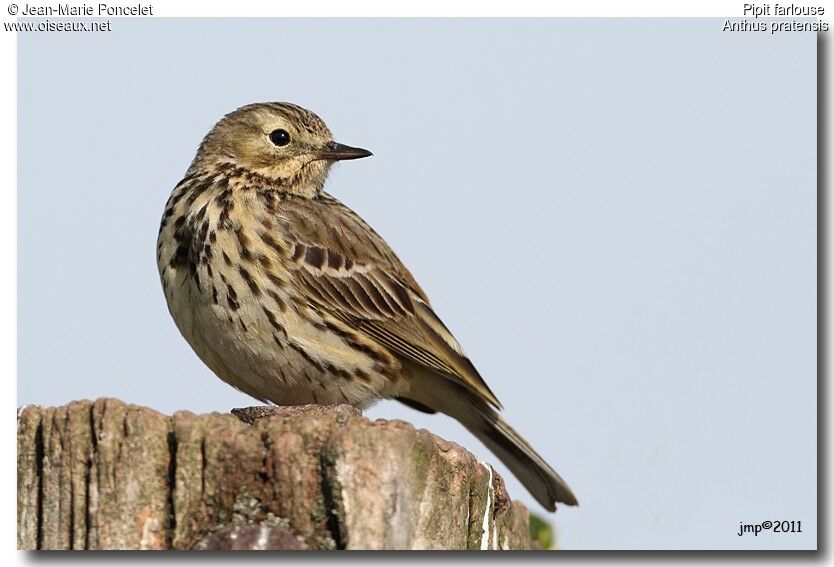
109, 475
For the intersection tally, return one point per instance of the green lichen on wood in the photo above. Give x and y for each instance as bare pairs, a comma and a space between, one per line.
541, 532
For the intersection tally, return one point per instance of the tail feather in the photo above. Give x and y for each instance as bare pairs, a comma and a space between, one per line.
545, 484
437, 393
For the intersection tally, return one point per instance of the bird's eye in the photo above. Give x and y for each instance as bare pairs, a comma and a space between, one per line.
279, 137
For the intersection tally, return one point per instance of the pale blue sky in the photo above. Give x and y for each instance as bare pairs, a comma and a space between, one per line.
616, 218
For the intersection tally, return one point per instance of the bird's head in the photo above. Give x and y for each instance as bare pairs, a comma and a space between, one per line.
279, 141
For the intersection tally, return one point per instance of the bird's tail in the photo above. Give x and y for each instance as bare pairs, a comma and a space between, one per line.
429, 391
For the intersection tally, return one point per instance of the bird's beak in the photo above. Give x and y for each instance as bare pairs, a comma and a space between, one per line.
336, 151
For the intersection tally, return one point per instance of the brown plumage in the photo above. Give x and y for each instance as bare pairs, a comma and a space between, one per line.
288, 295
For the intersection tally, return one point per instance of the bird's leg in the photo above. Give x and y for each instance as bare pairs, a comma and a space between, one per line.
251, 414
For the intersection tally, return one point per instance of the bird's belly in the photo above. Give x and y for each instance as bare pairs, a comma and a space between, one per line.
273, 354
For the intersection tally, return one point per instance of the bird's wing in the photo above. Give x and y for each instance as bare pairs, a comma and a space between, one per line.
351, 272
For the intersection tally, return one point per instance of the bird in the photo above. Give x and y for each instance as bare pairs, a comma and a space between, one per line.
288, 295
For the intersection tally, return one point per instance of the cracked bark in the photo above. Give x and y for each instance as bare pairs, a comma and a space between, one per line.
109, 475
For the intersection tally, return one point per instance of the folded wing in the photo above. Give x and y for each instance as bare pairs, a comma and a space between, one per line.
353, 274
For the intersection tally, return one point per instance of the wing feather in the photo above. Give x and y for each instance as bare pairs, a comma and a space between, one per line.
352, 273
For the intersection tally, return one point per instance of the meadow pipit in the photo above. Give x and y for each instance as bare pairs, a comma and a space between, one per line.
289, 296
